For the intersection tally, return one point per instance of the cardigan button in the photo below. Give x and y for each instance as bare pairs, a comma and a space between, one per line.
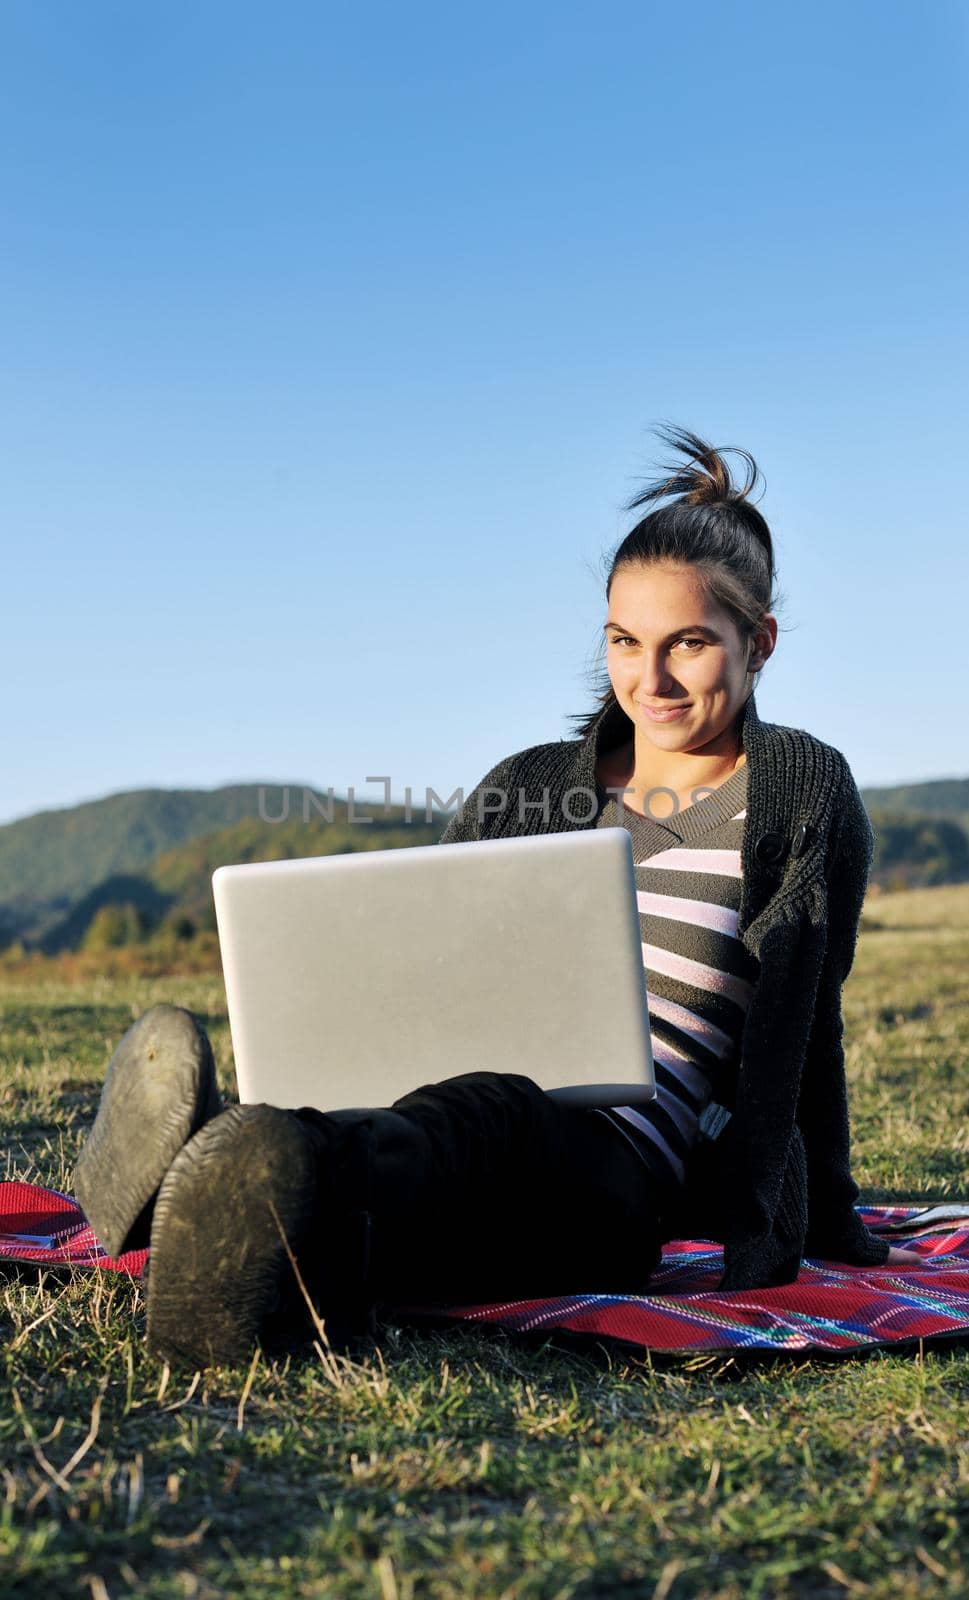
769, 848
799, 840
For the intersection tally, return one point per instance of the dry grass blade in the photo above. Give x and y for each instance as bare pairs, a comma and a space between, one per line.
136, 1487
25, 1333
185, 1541
31, 1436
386, 1577
666, 1579
246, 1389
92, 1431
329, 1361
177, 1405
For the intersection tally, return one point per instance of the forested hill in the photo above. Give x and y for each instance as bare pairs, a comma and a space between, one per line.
50, 861
150, 852
942, 797
63, 853
175, 890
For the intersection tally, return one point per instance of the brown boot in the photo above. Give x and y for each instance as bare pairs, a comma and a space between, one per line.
255, 1190
159, 1090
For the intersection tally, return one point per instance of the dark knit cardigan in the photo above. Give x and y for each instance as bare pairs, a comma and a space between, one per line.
776, 1184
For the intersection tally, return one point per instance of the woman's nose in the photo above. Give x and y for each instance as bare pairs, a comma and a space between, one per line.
655, 678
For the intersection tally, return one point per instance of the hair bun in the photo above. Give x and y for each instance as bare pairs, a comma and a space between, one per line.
704, 479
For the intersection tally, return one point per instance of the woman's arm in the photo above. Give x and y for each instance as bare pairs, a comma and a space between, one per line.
835, 1230
465, 826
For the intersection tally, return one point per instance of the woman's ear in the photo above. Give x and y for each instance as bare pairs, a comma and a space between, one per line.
762, 643
761, 650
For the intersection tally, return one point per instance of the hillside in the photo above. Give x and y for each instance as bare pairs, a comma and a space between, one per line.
61, 854
921, 833
942, 797
917, 851
121, 868
51, 861
175, 890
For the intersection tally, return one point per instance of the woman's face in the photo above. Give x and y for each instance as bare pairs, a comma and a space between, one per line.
672, 649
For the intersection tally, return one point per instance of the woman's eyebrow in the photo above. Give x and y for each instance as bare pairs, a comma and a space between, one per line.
688, 627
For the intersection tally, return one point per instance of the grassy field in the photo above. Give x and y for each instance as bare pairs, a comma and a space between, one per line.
470, 1464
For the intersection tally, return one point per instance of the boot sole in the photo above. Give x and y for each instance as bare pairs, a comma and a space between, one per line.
159, 1089
217, 1258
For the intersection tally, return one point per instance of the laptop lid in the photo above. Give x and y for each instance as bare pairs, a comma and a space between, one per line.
353, 979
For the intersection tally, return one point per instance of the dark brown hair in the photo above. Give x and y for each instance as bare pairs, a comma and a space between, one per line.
710, 524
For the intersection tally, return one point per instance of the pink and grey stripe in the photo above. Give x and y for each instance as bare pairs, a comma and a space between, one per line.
699, 976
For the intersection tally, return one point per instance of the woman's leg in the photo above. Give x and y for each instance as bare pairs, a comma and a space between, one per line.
513, 1193
475, 1189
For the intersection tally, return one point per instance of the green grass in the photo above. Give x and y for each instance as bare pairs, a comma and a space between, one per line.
463, 1463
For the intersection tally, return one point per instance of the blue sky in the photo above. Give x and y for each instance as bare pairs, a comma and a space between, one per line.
332, 338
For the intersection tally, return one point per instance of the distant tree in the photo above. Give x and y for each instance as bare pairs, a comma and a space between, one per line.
912, 851
113, 926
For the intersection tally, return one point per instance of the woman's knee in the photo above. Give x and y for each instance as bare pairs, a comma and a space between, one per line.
509, 1085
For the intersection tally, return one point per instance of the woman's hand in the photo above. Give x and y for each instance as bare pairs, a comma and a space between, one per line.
904, 1258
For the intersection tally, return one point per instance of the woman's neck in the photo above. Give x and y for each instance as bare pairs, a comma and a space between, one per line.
647, 768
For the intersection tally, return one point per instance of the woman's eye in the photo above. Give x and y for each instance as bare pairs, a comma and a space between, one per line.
625, 638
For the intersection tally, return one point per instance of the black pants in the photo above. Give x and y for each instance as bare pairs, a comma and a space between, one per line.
486, 1188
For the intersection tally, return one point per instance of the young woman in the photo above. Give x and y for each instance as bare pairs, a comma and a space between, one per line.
752, 848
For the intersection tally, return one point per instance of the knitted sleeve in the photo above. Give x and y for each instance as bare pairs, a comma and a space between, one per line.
469, 822
763, 1198
835, 1231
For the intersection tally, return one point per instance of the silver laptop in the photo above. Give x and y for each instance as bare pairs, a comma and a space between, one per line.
353, 979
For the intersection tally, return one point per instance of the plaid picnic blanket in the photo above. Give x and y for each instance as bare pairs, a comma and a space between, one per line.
831, 1306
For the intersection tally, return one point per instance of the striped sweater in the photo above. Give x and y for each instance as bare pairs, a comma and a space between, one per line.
777, 1180
699, 976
